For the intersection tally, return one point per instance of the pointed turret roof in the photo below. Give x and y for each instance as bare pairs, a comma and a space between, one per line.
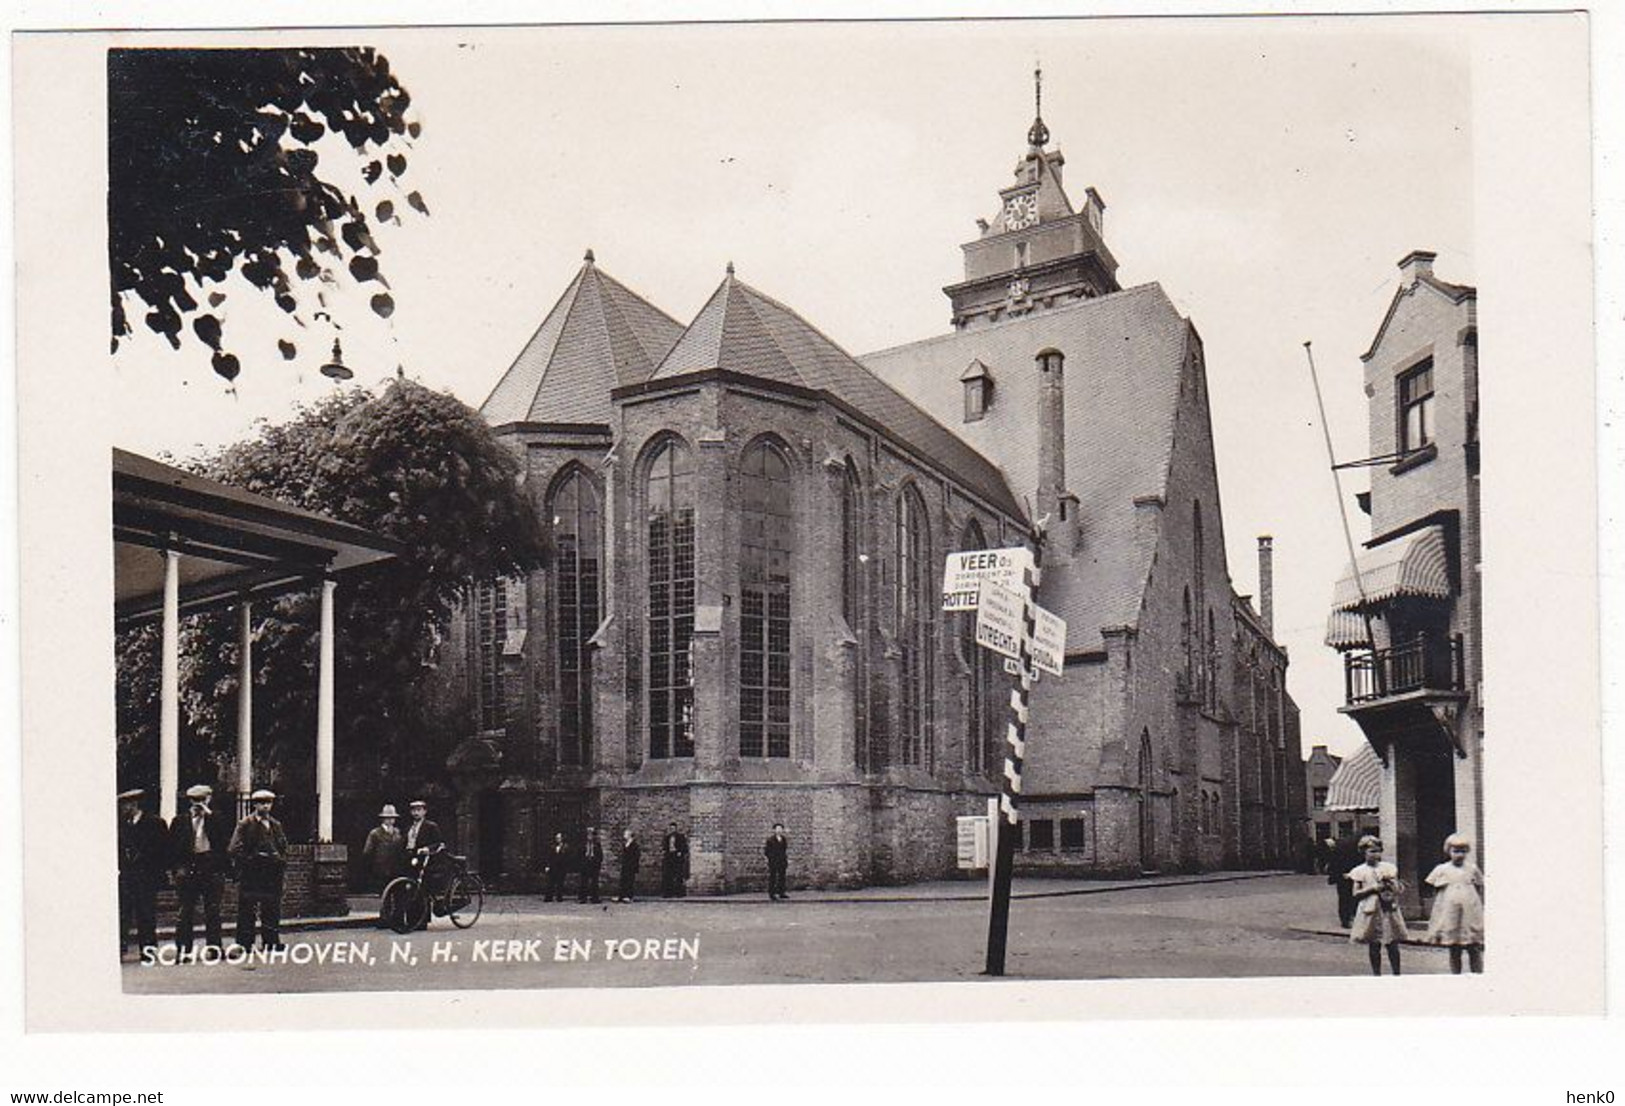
599, 336
743, 331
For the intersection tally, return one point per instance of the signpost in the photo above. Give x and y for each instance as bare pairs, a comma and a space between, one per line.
966, 571
1000, 586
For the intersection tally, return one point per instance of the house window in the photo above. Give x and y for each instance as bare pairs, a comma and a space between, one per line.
766, 524
916, 629
577, 572
1320, 797
491, 625
669, 495
1416, 407
1072, 833
1041, 835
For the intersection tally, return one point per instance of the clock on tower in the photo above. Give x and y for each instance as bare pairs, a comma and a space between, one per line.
1020, 211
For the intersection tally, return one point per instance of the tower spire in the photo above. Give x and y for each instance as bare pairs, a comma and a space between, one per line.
1038, 134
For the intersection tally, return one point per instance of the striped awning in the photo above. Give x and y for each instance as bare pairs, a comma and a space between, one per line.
1357, 783
1413, 564
1346, 630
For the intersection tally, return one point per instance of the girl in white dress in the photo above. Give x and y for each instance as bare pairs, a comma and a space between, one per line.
1457, 921
1377, 918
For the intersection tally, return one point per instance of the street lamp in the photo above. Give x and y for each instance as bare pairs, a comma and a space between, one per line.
336, 369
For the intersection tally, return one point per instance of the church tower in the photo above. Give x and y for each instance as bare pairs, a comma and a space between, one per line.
1038, 251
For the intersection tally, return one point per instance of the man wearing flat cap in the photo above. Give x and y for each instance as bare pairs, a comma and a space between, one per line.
142, 845
383, 857
261, 850
198, 838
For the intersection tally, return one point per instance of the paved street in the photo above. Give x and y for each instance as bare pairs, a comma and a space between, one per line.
1244, 927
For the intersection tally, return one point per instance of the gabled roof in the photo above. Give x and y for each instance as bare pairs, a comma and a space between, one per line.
1455, 293
1125, 354
741, 330
598, 337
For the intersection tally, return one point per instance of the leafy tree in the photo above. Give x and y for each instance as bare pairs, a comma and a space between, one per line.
410, 464
213, 168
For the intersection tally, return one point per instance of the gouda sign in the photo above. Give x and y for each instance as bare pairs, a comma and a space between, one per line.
965, 573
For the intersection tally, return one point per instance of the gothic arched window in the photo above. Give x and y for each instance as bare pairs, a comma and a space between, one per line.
491, 636
1212, 663
669, 499
767, 523
851, 544
979, 725
916, 629
1185, 630
1199, 575
577, 585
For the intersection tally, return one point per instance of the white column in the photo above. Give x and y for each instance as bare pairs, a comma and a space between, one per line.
169, 696
324, 720
245, 702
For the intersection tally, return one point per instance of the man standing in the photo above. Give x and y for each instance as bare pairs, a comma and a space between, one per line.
592, 863
261, 850
558, 864
1345, 856
631, 857
422, 833
142, 842
383, 857
777, 851
197, 849
674, 864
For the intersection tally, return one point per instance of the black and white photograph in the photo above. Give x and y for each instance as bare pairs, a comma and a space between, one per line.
660, 511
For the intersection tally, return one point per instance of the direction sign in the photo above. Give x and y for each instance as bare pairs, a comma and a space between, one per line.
999, 619
1049, 640
965, 571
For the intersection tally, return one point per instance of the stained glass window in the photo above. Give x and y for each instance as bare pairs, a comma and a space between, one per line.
669, 498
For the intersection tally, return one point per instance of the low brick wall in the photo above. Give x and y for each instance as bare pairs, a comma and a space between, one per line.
314, 886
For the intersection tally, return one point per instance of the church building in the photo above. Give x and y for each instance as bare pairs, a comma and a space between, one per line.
741, 624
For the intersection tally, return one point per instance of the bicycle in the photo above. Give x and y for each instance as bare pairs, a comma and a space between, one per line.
408, 901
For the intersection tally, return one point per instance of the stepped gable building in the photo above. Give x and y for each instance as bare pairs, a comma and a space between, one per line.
1408, 615
742, 622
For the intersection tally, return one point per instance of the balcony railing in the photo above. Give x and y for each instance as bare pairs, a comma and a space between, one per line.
1429, 662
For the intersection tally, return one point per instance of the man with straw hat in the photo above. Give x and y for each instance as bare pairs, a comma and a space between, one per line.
383, 857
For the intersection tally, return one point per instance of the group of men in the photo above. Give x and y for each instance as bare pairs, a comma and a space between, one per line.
586, 861
196, 853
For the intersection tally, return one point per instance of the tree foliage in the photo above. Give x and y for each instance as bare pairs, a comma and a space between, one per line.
413, 465
213, 168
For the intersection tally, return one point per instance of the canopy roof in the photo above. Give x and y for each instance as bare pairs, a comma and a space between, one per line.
1357, 783
1414, 564
233, 543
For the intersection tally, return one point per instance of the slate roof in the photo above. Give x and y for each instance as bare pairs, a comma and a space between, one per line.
599, 336
741, 330
1124, 355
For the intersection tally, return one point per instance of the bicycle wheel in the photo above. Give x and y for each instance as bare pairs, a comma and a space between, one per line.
403, 906
464, 900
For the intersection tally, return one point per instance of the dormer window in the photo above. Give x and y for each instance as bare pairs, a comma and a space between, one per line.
978, 384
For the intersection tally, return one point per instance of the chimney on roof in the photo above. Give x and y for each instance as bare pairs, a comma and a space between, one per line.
1417, 263
1266, 582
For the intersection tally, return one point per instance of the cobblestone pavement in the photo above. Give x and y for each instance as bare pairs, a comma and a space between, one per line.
1235, 928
